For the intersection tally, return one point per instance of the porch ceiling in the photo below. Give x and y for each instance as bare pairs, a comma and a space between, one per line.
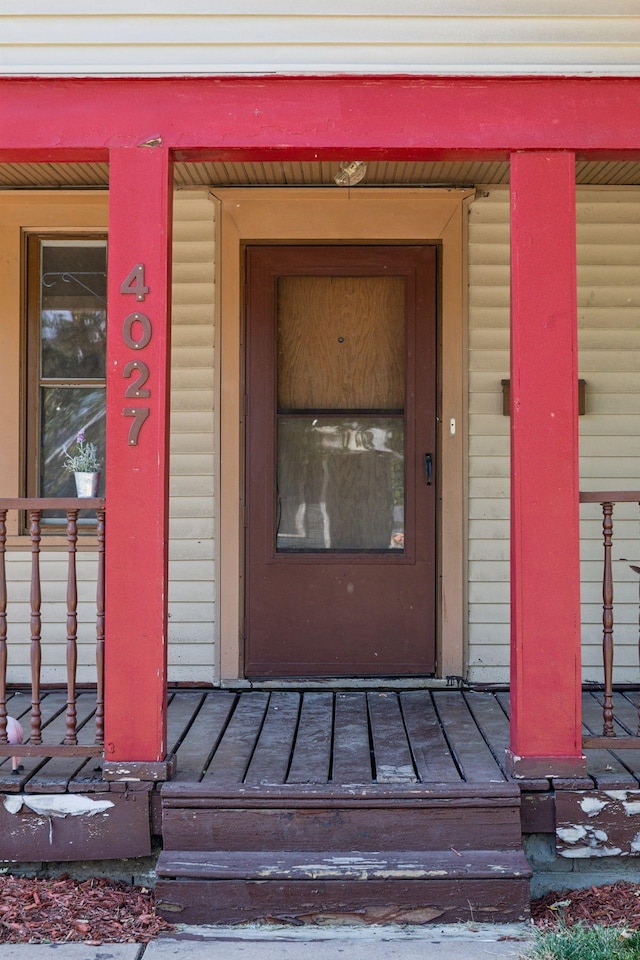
96, 175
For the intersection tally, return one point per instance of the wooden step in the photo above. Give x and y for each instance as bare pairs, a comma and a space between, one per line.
381, 886
285, 820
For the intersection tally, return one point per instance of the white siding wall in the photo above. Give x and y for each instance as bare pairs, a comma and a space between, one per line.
191, 547
609, 344
71, 37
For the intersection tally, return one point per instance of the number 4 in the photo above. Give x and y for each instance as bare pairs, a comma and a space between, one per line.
134, 282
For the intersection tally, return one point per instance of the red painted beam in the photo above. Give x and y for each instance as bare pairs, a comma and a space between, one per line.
318, 117
545, 536
138, 337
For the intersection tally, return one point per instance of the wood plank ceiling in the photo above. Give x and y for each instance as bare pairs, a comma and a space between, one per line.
277, 174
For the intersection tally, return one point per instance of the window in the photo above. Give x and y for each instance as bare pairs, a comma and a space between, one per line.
66, 324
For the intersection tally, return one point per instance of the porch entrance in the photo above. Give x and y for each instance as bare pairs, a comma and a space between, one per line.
341, 387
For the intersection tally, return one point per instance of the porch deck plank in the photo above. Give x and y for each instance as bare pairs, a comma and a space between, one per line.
472, 753
608, 771
182, 707
431, 753
392, 755
272, 755
52, 707
351, 747
231, 759
492, 721
311, 759
204, 734
54, 775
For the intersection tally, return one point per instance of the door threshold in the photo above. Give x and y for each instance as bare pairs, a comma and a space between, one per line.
338, 683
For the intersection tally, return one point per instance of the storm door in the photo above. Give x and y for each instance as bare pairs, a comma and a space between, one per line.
341, 385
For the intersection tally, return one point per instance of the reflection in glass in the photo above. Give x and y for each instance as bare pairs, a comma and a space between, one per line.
73, 318
340, 483
65, 411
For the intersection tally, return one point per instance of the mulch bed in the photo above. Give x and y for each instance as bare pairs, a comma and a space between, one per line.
63, 910
610, 904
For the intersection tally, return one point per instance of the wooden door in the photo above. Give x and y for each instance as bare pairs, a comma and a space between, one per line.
340, 513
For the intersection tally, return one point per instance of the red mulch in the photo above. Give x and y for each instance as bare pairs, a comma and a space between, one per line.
609, 905
63, 910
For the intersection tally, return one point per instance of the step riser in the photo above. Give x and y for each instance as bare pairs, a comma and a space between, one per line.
405, 901
419, 828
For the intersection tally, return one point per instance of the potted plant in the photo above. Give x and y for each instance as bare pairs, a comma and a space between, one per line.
85, 466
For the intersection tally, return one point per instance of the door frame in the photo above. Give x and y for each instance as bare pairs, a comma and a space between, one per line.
334, 215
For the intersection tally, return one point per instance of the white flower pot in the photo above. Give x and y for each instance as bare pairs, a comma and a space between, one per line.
87, 484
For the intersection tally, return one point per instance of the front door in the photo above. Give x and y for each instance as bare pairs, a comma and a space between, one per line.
341, 387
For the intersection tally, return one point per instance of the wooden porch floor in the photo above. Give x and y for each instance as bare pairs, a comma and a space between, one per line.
331, 739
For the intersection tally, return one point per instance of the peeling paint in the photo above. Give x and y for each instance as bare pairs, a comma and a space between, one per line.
631, 807
618, 794
56, 804
572, 834
591, 806
582, 853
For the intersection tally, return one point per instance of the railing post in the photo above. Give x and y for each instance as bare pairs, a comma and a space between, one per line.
607, 620
36, 602
72, 626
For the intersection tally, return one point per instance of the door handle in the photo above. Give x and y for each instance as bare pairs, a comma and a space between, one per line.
428, 467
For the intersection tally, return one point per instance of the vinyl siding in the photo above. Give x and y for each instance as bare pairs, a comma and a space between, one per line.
609, 360
74, 37
191, 545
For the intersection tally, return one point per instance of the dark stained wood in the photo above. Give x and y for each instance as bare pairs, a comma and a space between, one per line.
610, 496
392, 755
52, 715
330, 612
608, 771
311, 758
597, 823
35, 736
472, 753
332, 824
538, 812
54, 774
492, 721
72, 627
52, 503
373, 901
431, 753
120, 831
351, 747
270, 761
230, 761
607, 620
203, 736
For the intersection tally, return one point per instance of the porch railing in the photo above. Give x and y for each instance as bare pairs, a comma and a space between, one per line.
611, 735
33, 509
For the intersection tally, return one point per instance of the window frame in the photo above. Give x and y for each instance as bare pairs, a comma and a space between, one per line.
30, 346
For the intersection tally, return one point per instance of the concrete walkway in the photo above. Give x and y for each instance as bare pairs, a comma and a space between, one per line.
454, 942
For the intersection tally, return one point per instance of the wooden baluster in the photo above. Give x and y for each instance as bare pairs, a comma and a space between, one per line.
72, 627
607, 621
36, 602
100, 630
3, 628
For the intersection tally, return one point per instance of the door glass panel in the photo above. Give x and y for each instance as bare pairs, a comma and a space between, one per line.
340, 483
340, 421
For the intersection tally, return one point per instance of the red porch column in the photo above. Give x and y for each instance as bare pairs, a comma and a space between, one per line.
138, 342
545, 575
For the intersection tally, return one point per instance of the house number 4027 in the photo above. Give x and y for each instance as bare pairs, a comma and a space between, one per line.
136, 334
